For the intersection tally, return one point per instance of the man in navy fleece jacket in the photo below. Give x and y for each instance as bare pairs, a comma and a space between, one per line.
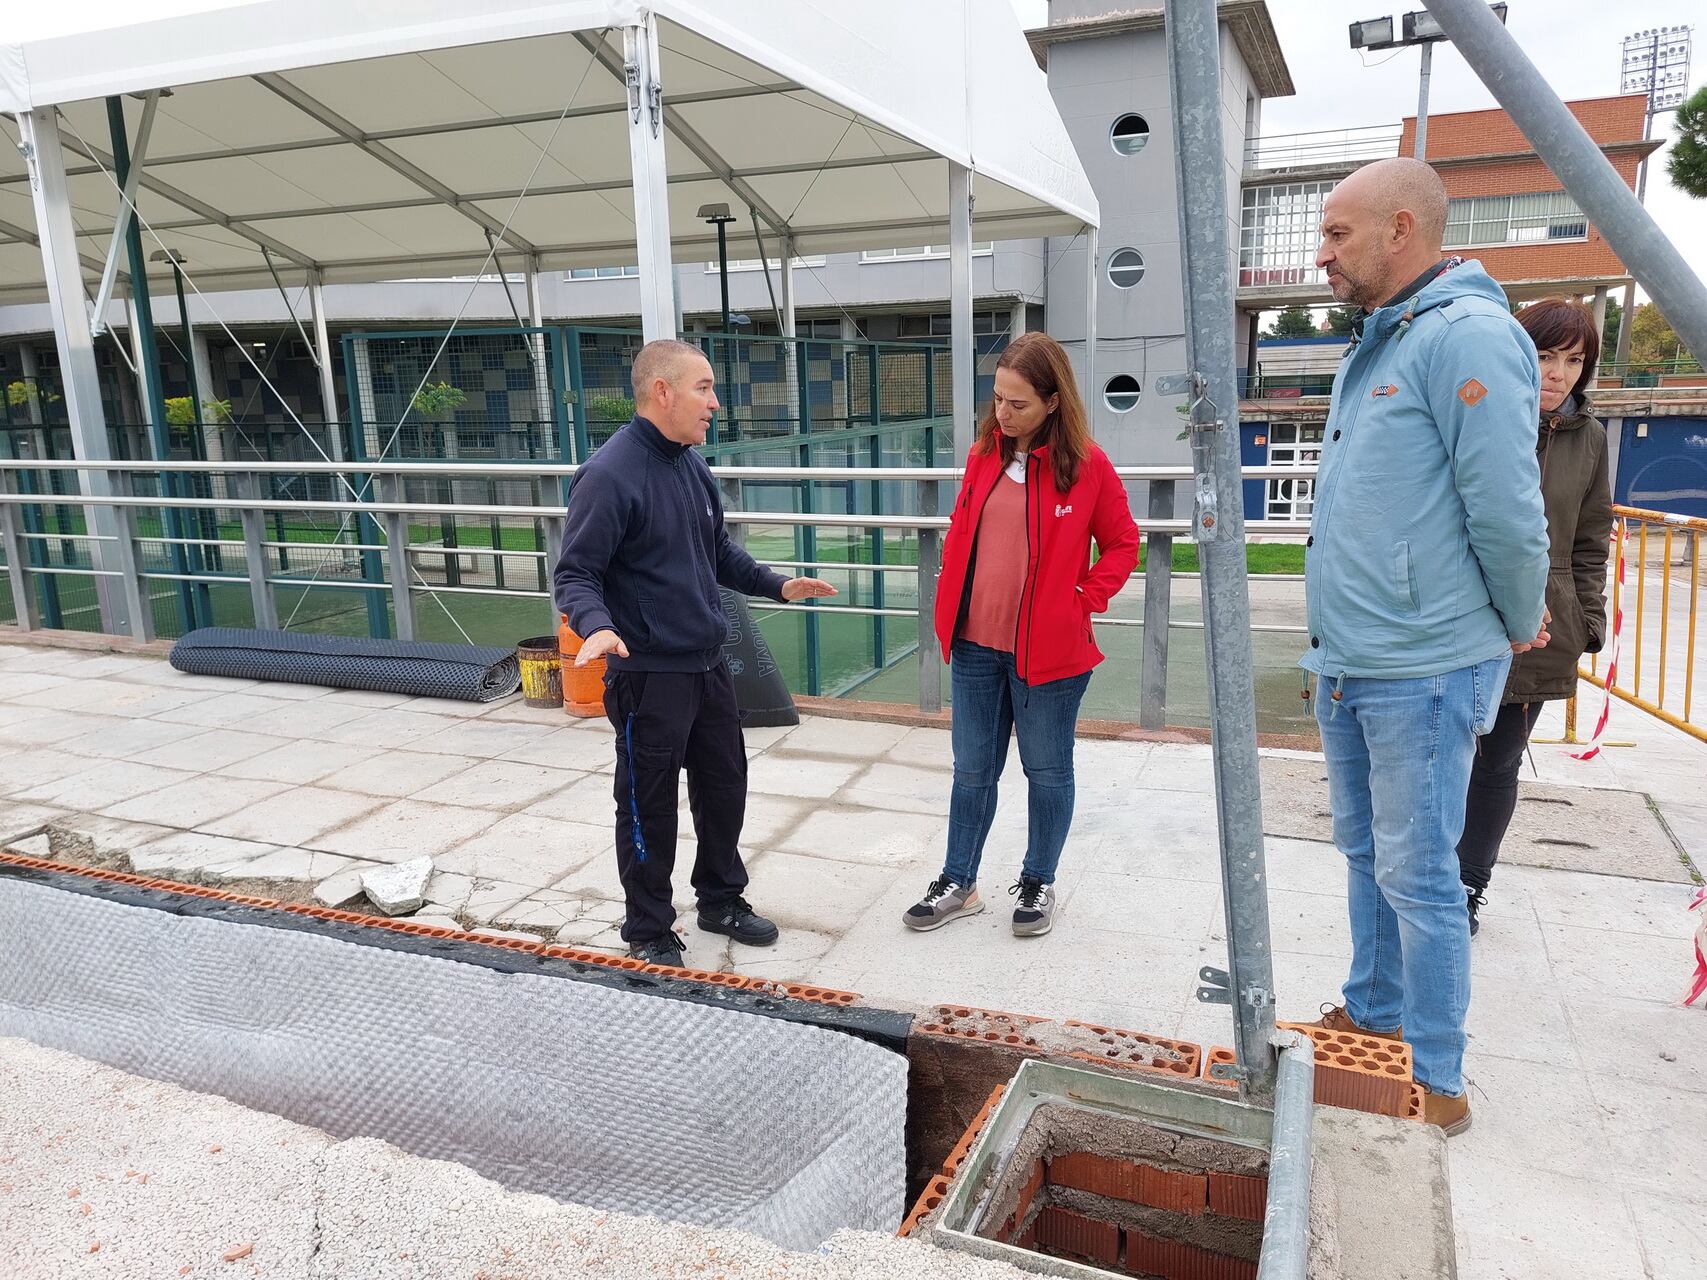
644, 552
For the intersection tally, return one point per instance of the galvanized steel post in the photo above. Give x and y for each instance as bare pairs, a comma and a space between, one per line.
1158, 599
1578, 164
261, 599
1194, 74
930, 562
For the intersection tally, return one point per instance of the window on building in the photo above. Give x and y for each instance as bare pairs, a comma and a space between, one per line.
921, 251
1125, 268
939, 325
775, 264
1121, 393
1482, 221
1279, 231
1292, 444
605, 273
1129, 134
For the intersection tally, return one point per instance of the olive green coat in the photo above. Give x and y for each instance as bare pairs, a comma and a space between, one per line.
1577, 492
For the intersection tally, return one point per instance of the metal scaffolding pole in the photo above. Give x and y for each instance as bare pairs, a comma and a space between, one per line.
1218, 525
651, 194
1579, 164
961, 359
121, 602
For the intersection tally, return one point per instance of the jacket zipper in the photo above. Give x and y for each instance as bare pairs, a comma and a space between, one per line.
1025, 587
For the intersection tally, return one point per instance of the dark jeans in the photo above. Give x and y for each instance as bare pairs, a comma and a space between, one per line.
990, 701
1492, 797
666, 720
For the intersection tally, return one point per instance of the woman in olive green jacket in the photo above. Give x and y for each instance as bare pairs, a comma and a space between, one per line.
1575, 487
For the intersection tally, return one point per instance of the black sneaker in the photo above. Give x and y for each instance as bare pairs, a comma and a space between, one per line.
1034, 907
739, 921
666, 948
1473, 901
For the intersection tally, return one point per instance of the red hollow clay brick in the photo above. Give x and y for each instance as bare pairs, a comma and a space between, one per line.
1125, 1179
951, 1165
1219, 1054
1062, 1230
1150, 1255
928, 1199
1137, 1049
1237, 1195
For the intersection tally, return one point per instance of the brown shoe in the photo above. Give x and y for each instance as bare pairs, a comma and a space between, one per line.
1450, 1114
1335, 1018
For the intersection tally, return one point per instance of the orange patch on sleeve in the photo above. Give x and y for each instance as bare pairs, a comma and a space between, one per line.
1472, 392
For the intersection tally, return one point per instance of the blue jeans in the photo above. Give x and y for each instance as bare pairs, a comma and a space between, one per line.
1399, 754
990, 700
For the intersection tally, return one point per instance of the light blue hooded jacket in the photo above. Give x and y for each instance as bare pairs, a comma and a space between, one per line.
1428, 542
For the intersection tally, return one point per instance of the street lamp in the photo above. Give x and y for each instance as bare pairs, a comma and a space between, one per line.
718, 215
1418, 27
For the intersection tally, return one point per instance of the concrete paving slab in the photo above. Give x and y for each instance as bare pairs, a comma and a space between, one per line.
295, 864
766, 736
290, 691
1606, 962
1564, 827
311, 719
103, 783
68, 695
880, 837
20, 820
224, 709
1524, 1224
1596, 902
1688, 826
389, 729
805, 892
139, 702
902, 787
404, 829
1649, 1043
213, 749
161, 672
91, 838
58, 728
1673, 1237
483, 738
293, 815
395, 773
1653, 1139
290, 762
568, 748
36, 846
25, 768
820, 736
800, 776
1182, 909
194, 802
499, 785
193, 855
1534, 1115
1391, 1180
120, 739
587, 798
528, 849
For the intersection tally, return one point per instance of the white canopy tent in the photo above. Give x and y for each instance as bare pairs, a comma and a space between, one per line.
340, 141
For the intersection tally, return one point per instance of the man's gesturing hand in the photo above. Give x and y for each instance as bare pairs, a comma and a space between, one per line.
806, 589
598, 645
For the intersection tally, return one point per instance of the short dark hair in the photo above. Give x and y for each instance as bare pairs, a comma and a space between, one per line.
1558, 324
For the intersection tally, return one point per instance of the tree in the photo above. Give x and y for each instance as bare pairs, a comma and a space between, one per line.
436, 398
1652, 339
1293, 322
1609, 332
1687, 164
1341, 319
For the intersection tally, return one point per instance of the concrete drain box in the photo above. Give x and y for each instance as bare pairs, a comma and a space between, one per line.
1082, 1173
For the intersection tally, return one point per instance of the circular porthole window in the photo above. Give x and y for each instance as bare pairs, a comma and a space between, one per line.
1129, 134
1121, 393
1125, 268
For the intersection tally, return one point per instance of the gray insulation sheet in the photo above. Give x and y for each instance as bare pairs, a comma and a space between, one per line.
591, 1095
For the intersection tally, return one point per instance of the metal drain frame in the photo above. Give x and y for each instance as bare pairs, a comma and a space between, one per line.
1284, 1133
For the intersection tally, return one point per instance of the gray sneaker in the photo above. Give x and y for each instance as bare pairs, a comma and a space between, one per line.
1034, 909
943, 901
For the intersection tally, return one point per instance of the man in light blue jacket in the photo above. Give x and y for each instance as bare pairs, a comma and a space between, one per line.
1424, 573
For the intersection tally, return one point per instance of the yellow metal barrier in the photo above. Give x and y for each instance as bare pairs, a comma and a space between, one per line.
1670, 532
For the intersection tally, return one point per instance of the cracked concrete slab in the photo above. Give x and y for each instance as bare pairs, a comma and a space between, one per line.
1614, 833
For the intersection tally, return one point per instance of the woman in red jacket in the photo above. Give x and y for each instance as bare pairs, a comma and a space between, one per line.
1013, 612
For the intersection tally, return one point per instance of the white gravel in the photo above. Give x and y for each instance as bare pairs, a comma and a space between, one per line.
108, 1174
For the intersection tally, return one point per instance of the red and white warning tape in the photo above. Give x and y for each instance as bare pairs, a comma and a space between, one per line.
1698, 984
1593, 748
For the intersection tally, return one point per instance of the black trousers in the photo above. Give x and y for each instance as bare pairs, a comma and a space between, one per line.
1492, 797
666, 720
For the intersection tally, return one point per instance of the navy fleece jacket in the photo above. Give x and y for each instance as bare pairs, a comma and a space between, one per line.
645, 550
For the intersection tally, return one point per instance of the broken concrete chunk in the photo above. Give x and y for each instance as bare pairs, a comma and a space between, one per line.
337, 890
398, 890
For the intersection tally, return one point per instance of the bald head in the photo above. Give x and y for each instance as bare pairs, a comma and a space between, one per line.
1381, 227
674, 390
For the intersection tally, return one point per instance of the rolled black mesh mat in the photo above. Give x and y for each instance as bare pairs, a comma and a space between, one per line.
465, 671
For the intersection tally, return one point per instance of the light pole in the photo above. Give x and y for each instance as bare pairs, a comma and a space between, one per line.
1418, 27
718, 215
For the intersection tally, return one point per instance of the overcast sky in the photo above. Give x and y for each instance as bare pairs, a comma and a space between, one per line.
1573, 43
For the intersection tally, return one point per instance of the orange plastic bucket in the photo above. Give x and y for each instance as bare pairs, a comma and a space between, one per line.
583, 687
